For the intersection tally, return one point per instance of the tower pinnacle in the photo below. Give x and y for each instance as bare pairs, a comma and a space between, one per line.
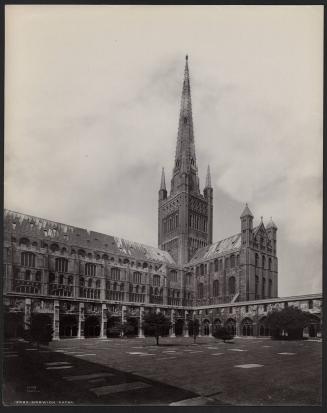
163, 180
208, 178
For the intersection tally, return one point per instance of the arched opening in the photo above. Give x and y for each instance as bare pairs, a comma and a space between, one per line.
131, 326
264, 331
215, 289
179, 327
92, 326
216, 324
13, 324
247, 327
206, 328
231, 326
314, 327
68, 326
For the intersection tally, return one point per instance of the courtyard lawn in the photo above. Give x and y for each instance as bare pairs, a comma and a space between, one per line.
246, 371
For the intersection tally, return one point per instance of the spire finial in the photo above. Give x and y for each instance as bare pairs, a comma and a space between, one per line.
186, 57
208, 178
163, 180
261, 218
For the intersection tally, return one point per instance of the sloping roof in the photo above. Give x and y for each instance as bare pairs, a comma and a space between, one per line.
50, 231
224, 246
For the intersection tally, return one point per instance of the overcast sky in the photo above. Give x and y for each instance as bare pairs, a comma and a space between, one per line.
92, 96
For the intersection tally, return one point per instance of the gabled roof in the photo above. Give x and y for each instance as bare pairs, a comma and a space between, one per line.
51, 232
222, 247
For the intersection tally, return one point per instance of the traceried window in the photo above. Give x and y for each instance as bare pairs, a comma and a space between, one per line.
232, 261
263, 287
61, 265
231, 285
256, 260
137, 278
115, 274
269, 264
156, 280
270, 289
38, 276
90, 269
173, 275
28, 259
200, 290
215, 289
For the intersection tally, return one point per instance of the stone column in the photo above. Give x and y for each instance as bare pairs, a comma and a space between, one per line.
123, 317
186, 332
141, 332
56, 320
211, 323
103, 331
200, 324
172, 328
81, 320
238, 320
27, 313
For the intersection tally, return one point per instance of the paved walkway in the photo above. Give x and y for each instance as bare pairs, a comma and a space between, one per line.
178, 372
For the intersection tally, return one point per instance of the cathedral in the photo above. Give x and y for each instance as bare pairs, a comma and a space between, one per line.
82, 278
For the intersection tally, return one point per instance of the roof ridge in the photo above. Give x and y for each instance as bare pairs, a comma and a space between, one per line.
164, 253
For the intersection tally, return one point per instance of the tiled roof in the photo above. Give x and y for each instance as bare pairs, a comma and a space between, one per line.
218, 248
50, 231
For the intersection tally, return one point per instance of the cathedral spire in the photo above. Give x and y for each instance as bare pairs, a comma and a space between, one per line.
185, 159
163, 180
208, 178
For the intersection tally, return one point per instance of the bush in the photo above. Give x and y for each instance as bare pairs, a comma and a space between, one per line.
291, 320
41, 330
222, 333
156, 325
114, 327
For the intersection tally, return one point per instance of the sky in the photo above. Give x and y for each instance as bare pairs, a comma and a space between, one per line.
92, 98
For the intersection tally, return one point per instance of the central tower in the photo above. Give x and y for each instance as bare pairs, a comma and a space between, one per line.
185, 216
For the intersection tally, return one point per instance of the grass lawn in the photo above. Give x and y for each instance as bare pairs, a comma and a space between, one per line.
248, 371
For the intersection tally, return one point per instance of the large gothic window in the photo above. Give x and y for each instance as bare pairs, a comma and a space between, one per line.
173, 275
216, 265
115, 274
137, 278
270, 289
215, 288
200, 290
28, 259
256, 260
61, 265
232, 261
263, 287
231, 285
90, 269
156, 280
